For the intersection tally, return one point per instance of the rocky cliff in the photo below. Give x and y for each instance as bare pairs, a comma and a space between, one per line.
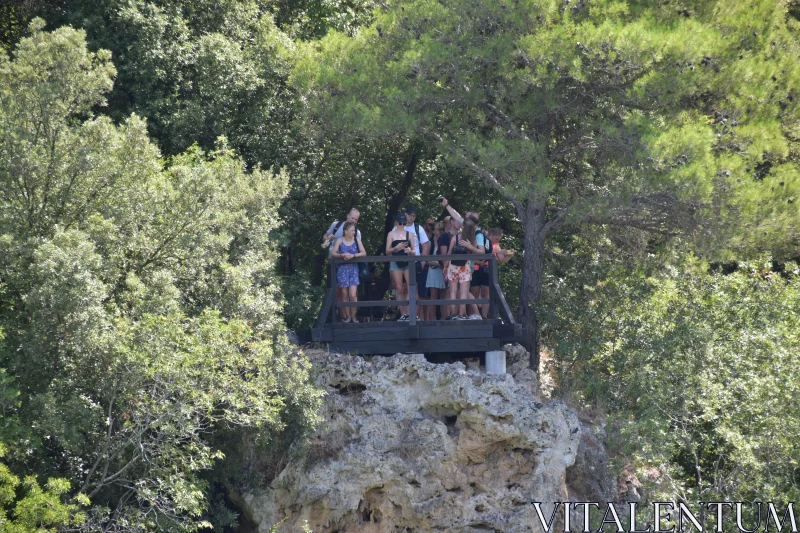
409, 445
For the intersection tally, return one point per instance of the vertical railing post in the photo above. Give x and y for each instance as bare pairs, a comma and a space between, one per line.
334, 288
494, 306
412, 293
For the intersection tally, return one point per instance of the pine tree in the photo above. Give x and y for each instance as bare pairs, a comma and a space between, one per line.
614, 113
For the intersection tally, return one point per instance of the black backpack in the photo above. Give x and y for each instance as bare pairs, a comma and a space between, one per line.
459, 249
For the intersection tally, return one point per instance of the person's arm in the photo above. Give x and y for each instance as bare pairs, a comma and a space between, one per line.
435, 263
425, 248
361, 251
505, 256
389, 248
453, 213
449, 249
336, 254
328, 234
471, 247
411, 240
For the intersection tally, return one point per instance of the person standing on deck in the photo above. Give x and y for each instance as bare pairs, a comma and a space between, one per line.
479, 285
503, 256
399, 243
435, 280
335, 231
347, 247
459, 272
443, 247
422, 247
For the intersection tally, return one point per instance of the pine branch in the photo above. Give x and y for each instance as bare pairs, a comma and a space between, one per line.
488, 177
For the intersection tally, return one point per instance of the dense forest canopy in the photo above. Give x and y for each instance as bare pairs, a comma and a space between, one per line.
168, 167
607, 113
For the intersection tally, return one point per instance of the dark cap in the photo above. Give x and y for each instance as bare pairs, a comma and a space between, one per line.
411, 209
401, 218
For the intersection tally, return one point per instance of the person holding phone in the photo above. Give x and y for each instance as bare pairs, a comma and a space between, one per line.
400, 242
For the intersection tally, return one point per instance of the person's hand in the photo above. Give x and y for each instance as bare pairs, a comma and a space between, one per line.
348, 256
444, 202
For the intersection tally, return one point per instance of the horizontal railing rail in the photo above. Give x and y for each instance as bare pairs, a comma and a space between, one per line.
411, 258
498, 306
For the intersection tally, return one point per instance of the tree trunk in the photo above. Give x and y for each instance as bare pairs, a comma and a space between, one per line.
397, 198
533, 219
414, 150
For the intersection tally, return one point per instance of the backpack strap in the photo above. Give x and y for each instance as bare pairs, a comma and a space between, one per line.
337, 226
416, 230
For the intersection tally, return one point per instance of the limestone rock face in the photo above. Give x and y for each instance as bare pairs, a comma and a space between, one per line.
413, 446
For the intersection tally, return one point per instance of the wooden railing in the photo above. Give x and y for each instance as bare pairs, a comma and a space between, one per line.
498, 307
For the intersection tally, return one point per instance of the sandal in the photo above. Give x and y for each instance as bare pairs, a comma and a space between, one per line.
354, 321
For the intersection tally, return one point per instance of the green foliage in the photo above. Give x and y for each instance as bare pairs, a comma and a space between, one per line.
140, 305
196, 70
611, 114
696, 371
141, 312
39, 510
303, 301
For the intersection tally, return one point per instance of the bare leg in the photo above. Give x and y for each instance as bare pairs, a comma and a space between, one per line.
397, 281
341, 296
444, 294
472, 309
474, 292
485, 307
352, 296
431, 309
463, 294
452, 292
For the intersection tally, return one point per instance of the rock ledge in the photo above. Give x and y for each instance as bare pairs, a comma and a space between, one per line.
409, 445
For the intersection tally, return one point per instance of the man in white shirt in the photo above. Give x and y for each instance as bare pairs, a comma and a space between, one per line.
336, 229
423, 247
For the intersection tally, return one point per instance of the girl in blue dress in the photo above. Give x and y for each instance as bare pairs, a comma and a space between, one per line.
347, 247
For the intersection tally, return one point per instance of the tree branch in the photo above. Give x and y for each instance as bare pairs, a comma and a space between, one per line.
499, 116
485, 174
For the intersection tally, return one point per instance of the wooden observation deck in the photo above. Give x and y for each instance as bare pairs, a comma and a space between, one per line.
420, 336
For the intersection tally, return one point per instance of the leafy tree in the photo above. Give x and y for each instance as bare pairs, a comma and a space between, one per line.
39, 511
140, 307
696, 372
610, 113
198, 69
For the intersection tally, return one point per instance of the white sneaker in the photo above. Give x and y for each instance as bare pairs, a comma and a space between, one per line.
475, 317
